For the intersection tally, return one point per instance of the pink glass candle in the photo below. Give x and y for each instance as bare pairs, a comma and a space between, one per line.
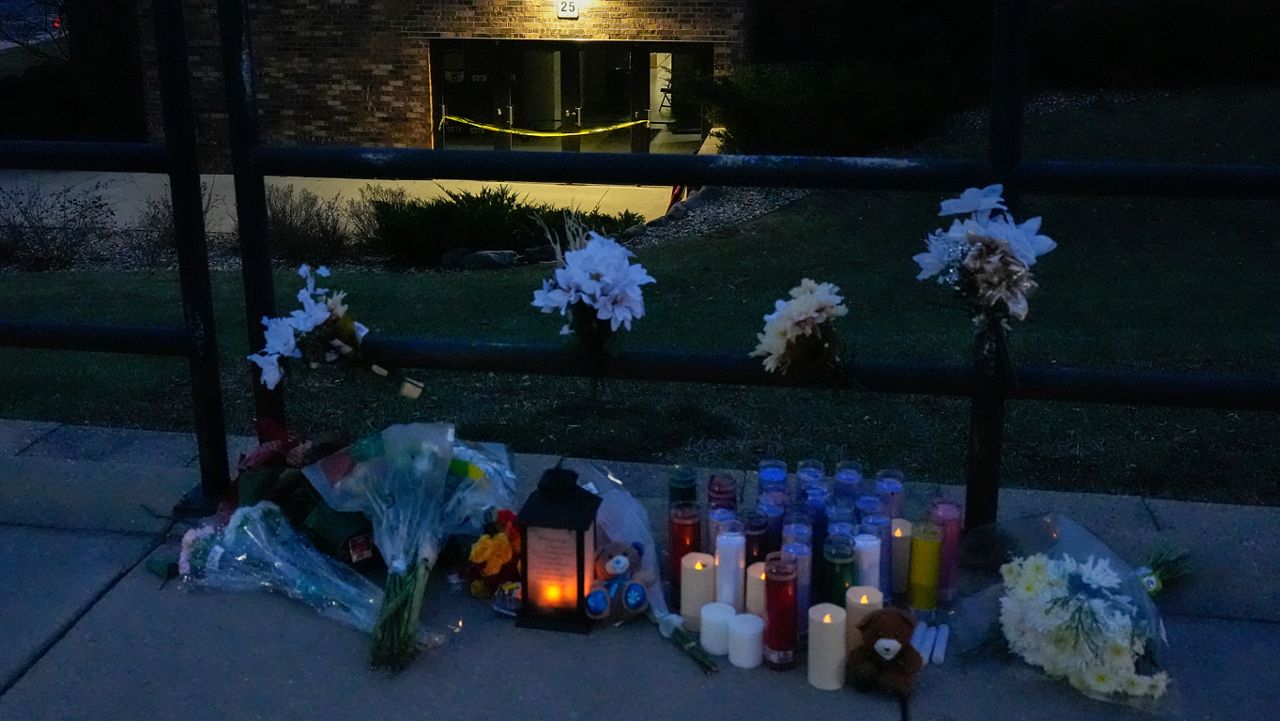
779, 612
948, 517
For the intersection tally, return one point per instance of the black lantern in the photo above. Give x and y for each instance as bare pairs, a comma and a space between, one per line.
557, 553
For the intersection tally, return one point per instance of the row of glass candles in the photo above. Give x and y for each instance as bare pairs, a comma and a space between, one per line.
758, 594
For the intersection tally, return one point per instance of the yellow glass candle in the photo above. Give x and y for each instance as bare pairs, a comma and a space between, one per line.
858, 602
826, 646
697, 587
922, 581
755, 589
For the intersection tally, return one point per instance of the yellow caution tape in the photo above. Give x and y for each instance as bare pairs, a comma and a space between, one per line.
542, 133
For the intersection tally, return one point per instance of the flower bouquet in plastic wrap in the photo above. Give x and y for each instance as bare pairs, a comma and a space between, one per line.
259, 550
1066, 604
417, 486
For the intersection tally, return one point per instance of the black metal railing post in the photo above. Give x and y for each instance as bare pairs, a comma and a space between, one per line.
193, 256
987, 409
251, 194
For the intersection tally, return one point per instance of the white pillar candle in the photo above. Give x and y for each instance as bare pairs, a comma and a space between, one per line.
827, 646
858, 602
939, 653
926, 648
917, 637
755, 589
697, 587
746, 640
731, 564
901, 531
867, 549
715, 627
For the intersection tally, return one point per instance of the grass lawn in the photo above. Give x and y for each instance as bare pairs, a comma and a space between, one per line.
1188, 285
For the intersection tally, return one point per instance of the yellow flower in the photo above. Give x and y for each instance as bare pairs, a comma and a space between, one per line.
481, 549
493, 551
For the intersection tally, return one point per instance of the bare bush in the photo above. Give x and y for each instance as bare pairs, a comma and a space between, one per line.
42, 230
155, 243
306, 227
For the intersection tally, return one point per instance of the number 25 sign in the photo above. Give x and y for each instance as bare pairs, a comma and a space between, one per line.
567, 9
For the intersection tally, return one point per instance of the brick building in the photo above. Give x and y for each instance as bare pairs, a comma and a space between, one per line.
384, 72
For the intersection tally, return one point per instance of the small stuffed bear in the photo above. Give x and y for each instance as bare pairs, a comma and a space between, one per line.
618, 593
886, 661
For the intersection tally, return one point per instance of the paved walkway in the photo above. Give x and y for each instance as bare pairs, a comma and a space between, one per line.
90, 634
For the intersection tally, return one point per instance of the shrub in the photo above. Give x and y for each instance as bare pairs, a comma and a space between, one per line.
42, 230
418, 232
306, 227
156, 241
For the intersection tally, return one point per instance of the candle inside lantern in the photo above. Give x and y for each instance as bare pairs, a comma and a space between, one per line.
780, 611
891, 490
801, 556
755, 530
946, 515
697, 587
867, 547
841, 567
746, 640
715, 628
901, 554
922, 579
755, 589
684, 533
731, 564
858, 602
827, 646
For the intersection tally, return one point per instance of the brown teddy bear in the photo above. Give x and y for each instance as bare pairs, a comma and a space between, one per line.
886, 661
619, 591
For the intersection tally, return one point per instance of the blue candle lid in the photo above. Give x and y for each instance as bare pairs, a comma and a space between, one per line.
888, 486
868, 505
799, 550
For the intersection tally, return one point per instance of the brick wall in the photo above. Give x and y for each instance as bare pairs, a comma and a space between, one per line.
357, 71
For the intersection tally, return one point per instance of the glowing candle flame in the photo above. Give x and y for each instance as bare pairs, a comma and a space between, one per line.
762, 577
864, 600
826, 618
552, 594
698, 566
897, 533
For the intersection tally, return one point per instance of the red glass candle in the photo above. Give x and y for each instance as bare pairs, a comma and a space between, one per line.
722, 492
684, 535
779, 612
948, 516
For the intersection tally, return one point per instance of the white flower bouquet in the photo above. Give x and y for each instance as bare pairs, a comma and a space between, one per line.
800, 331
320, 331
1068, 606
597, 287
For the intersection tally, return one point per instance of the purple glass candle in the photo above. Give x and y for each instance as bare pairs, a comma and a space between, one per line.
891, 490
722, 492
948, 516
756, 530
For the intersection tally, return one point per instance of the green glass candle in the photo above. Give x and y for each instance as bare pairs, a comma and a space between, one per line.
682, 486
841, 570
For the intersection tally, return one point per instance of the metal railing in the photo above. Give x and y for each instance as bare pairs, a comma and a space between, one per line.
196, 340
253, 160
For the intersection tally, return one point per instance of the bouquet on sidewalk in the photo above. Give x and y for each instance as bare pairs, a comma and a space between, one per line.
259, 550
1071, 607
416, 491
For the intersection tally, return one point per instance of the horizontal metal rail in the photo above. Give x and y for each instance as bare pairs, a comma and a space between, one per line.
75, 155
96, 338
1034, 382
1052, 176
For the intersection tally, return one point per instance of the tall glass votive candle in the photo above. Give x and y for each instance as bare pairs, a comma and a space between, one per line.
756, 530
922, 578
948, 517
801, 556
780, 613
841, 572
848, 480
722, 491
816, 496
881, 527
892, 491
841, 528
840, 509
810, 471
682, 485
772, 477
717, 517
684, 535
867, 505
774, 507
867, 548
797, 526
731, 565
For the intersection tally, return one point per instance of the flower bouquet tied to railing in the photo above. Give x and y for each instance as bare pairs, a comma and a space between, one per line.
800, 333
596, 288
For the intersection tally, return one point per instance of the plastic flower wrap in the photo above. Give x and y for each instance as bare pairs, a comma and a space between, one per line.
800, 332
1067, 605
402, 480
597, 288
258, 550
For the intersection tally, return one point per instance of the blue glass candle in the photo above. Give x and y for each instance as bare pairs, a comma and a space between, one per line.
773, 477
797, 526
841, 510
848, 480
816, 496
841, 528
880, 526
802, 555
868, 506
891, 490
810, 471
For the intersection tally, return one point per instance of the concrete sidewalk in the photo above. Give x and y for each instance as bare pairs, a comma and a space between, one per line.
90, 634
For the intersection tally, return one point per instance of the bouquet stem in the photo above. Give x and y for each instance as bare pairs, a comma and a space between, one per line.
395, 634
681, 638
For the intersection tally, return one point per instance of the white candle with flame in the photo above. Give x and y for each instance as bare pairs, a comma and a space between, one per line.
697, 587
827, 646
858, 602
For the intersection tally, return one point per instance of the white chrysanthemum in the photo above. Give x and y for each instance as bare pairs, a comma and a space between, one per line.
980, 201
1097, 573
601, 275
811, 305
269, 363
279, 338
